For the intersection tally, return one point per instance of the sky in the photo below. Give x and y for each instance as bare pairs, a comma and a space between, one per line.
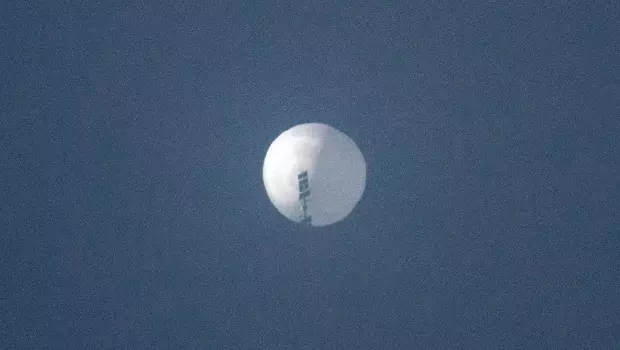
132, 137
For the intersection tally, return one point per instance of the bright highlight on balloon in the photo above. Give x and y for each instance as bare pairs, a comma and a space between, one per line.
314, 174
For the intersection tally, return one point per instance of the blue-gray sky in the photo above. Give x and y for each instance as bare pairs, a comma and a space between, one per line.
134, 215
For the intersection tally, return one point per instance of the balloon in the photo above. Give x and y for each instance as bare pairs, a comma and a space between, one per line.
314, 173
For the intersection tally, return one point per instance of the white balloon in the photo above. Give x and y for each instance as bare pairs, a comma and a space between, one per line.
336, 173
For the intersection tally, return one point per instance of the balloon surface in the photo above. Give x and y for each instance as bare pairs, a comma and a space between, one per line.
314, 173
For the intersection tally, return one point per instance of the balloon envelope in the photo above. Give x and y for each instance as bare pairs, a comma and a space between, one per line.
335, 168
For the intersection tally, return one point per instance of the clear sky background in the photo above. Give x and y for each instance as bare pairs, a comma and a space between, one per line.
133, 213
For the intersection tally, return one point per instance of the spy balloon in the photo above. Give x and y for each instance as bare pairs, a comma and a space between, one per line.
314, 174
